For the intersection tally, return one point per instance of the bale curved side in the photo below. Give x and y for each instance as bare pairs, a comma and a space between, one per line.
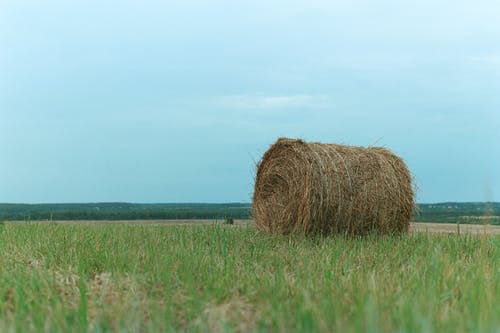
316, 188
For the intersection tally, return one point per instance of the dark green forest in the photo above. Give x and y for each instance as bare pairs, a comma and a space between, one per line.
123, 211
451, 212
461, 212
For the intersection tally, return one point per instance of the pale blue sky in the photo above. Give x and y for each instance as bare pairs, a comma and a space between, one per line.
174, 101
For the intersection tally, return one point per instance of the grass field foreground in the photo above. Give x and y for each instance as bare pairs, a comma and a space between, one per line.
131, 278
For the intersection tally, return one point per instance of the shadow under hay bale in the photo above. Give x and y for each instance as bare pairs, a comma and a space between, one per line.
315, 188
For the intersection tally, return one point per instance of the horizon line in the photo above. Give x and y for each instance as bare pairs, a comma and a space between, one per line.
208, 203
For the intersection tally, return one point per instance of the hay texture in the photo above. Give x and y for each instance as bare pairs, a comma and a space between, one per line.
315, 188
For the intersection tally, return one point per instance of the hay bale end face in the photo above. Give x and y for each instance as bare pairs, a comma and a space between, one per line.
315, 188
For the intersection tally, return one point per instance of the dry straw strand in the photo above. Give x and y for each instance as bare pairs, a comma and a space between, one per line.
316, 188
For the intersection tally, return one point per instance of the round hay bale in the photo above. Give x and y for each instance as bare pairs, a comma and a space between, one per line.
315, 188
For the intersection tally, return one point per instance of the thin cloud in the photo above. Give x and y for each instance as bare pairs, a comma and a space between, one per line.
489, 59
266, 102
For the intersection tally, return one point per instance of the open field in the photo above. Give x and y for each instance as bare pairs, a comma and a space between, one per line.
130, 277
451, 228
447, 228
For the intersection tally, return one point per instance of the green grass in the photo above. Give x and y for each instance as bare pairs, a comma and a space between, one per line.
132, 278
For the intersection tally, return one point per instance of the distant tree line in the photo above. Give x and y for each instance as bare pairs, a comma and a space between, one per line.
122, 211
461, 212
451, 212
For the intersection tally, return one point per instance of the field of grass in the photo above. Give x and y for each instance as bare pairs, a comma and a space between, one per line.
198, 278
